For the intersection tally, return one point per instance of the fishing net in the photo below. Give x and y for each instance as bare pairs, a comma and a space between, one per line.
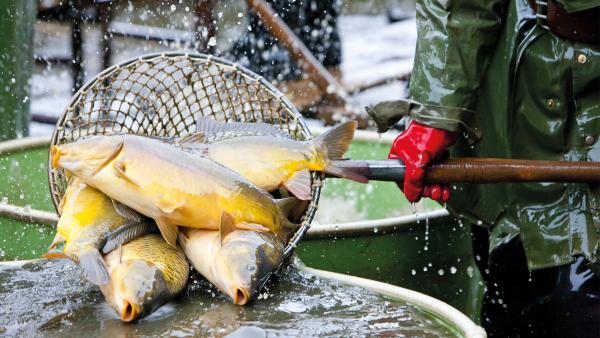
163, 95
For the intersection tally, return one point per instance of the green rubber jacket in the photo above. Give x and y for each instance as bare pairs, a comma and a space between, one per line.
514, 90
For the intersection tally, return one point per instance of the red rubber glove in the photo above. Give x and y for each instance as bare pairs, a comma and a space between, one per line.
418, 146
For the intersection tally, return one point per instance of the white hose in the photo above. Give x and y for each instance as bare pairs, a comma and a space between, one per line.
381, 225
336, 229
23, 143
465, 325
28, 215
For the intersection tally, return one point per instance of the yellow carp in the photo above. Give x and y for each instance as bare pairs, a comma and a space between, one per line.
173, 186
144, 274
87, 223
237, 263
269, 158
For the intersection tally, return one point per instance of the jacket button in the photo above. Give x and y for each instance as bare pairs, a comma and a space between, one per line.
589, 140
581, 58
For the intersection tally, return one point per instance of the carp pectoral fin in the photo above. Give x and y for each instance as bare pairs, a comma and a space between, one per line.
299, 184
227, 225
168, 205
58, 240
252, 227
168, 231
93, 267
126, 233
110, 157
61, 205
126, 212
182, 238
55, 254
120, 168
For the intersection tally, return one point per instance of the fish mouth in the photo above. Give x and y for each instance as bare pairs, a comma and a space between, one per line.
130, 311
55, 153
240, 296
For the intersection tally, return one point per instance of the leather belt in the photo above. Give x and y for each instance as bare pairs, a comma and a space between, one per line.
582, 26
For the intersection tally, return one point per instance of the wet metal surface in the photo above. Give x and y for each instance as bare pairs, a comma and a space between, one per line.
51, 299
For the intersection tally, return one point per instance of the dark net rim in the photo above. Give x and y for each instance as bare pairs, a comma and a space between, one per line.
103, 85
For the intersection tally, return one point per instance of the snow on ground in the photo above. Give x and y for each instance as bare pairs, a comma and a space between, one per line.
372, 50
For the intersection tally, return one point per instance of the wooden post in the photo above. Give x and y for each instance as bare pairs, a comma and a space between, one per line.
16, 62
105, 17
204, 27
77, 45
307, 61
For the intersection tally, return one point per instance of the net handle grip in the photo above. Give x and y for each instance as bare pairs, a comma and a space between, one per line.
481, 170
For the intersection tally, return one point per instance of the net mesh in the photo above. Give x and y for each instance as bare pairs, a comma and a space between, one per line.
163, 94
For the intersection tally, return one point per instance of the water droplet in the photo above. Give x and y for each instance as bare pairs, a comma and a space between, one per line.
441, 272
453, 270
413, 272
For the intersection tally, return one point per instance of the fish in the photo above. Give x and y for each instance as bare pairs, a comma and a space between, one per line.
173, 186
270, 158
144, 274
89, 223
237, 262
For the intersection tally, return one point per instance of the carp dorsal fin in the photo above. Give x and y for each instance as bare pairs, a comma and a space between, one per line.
191, 140
218, 131
168, 230
227, 225
126, 233
299, 184
126, 212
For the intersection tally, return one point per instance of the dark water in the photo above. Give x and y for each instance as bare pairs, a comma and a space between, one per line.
51, 299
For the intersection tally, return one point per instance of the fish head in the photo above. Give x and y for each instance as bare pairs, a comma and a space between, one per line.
246, 260
136, 288
88, 155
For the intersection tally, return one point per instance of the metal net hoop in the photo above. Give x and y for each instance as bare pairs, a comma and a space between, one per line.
163, 94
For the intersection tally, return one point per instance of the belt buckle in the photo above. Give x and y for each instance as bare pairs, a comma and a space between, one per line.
541, 13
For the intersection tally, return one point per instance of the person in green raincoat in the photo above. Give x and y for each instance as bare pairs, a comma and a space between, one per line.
513, 79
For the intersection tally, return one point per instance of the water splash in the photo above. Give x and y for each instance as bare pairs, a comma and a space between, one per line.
37, 302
